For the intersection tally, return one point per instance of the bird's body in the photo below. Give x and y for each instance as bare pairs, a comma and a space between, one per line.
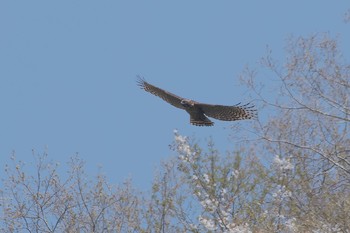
199, 111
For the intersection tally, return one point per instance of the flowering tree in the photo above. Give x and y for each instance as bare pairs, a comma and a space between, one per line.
306, 131
227, 189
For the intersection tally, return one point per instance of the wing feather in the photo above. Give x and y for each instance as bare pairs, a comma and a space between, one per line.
228, 113
165, 95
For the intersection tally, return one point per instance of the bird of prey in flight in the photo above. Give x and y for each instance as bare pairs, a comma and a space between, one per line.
199, 112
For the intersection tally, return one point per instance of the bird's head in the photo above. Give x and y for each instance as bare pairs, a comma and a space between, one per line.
187, 103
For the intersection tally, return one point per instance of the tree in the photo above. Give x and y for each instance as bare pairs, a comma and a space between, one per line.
45, 202
309, 127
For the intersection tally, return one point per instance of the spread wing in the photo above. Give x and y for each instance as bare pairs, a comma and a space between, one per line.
165, 95
228, 113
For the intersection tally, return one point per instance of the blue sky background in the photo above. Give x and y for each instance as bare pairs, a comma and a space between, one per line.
68, 71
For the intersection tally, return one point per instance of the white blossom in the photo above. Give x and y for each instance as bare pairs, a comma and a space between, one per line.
223, 194
223, 191
183, 148
235, 173
282, 163
208, 223
238, 229
210, 204
290, 225
281, 193
206, 178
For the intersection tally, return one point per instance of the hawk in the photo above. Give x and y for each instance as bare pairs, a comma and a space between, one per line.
199, 112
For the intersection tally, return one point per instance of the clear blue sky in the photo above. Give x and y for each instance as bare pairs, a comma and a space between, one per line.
68, 71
